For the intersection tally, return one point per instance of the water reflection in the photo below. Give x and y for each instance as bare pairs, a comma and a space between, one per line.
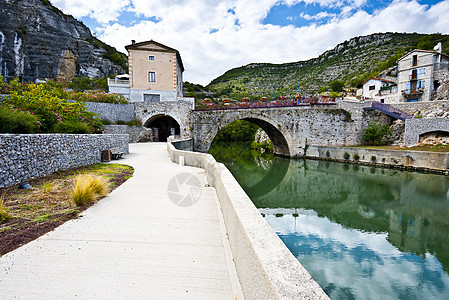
361, 232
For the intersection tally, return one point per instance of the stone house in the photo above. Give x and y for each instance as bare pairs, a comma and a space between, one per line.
378, 89
155, 73
420, 73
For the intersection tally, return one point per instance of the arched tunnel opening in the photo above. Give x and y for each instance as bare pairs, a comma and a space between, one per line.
434, 138
163, 126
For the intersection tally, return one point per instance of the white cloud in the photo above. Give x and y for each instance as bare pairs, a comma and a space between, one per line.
241, 37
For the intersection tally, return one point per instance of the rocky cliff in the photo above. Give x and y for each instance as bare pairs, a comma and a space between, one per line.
38, 41
352, 62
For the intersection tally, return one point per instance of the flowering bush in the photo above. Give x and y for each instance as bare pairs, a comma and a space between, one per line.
47, 102
102, 97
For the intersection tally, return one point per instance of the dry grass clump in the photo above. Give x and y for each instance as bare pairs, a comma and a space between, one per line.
87, 188
47, 187
3, 213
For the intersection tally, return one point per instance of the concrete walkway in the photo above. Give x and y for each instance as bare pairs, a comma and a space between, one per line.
134, 244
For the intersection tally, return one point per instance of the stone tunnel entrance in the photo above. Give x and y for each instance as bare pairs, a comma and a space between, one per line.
163, 126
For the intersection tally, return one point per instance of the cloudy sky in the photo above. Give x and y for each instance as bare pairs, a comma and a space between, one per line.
214, 36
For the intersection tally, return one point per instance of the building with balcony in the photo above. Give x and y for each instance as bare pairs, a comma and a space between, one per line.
420, 73
378, 89
155, 73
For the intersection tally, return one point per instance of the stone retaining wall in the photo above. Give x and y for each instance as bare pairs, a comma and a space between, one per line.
416, 127
27, 156
112, 112
132, 131
265, 267
414, 160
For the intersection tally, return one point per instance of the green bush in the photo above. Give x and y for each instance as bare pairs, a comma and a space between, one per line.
71, 127
373, 158
356, 156
239, 130
265, 145
346, 155
135, 122
120, 122
80, 84
376, 134
13, 120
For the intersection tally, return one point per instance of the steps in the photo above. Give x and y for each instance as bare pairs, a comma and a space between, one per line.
388, 110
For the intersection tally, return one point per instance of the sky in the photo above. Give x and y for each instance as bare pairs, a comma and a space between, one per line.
214, 36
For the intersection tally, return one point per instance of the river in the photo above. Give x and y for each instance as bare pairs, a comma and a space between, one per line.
361, 232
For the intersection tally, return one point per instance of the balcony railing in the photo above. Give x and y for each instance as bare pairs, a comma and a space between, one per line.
412, 93
120, 82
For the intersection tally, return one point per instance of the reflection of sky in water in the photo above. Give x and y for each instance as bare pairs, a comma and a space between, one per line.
351, 264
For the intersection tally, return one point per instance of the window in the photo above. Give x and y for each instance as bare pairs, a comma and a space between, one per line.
415, 60
151, 57
372, 87
151, 76
422, 71
414, 75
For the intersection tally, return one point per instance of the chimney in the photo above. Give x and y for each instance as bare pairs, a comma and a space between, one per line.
133, 42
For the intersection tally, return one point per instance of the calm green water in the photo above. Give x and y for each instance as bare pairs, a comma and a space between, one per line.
361, 232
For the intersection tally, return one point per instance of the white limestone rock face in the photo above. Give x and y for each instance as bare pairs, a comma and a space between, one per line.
38, 41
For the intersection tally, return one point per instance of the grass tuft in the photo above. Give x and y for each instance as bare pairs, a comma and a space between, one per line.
47, 187
4, 216
87, 188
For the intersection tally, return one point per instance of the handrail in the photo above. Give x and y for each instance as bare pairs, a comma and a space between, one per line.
389, 110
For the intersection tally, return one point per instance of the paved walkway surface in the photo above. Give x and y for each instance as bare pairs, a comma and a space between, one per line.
135, 244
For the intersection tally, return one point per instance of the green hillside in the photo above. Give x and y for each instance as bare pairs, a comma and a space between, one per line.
352, 62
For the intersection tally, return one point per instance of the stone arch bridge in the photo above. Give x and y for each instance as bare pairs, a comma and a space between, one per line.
290, 129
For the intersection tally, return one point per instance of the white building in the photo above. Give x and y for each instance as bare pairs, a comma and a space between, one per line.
381, 90
419, 73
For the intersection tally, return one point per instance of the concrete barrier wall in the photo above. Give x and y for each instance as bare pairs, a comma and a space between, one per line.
27, 156
438, 161
265, 267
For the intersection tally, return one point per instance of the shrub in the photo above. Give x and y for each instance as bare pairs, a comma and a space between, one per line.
356, 156
71, 127
120, 122
87, 187
373, 158
376, 133
105, 122
134, 122
14, 120
328, 154
346, 155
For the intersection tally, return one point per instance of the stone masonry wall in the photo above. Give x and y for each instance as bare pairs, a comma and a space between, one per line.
416, 127
178, 110
26, 156
414, 160
426, 109
132, 131
112, 112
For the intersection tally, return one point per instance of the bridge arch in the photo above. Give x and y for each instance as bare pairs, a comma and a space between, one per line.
280, 138
163, 125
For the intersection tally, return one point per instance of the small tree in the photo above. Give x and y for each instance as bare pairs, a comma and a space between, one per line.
337, 85
376, 133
